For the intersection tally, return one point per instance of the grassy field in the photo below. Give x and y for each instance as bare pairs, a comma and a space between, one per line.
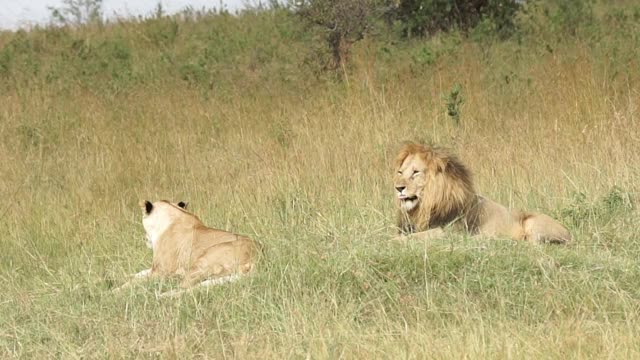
258, 145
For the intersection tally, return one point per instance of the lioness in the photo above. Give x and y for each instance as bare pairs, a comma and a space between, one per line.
434, 189
182, 245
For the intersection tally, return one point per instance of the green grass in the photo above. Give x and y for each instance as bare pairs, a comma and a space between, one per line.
302, 164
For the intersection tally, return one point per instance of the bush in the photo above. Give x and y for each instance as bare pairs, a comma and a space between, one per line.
426, 17
568, 17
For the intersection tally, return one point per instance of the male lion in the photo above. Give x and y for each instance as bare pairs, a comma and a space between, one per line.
182, 245
434, 189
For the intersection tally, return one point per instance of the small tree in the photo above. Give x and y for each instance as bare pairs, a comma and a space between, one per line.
77, 12
344, 22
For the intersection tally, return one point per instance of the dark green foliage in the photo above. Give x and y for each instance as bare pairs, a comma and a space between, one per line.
21, 53
109, 59
194, 73
424, 56
213, 50
426, 17
163, 32
569, 16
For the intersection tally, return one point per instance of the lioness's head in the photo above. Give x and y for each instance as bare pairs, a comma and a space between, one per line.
158, 216
429, 183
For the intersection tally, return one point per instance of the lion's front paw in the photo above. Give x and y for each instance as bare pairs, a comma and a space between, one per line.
423, 235
402, 239
434, 233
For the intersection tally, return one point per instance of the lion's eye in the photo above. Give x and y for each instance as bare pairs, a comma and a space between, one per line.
399, 172
415, 172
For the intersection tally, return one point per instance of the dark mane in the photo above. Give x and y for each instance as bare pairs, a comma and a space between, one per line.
447, 196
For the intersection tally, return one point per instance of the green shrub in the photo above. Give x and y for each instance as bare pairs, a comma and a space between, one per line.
568, 17
426, 17
613, 204
454, 101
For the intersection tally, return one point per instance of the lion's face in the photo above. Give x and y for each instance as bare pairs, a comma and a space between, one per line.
410, 180
432, 187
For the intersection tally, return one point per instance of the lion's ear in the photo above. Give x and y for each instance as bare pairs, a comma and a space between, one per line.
183, 205
147, 206
438, 164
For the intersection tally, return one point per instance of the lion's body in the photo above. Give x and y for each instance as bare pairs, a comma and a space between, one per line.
436, 190
183, 246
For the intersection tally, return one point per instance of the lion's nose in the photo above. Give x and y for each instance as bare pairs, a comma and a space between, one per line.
400, 188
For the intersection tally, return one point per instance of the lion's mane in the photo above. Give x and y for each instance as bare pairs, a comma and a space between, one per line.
449, 195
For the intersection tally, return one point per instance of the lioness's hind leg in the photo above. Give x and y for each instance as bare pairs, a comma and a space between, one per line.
206, 283
540, 229
200, 271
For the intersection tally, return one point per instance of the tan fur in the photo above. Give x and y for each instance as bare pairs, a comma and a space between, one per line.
183, 246
434, 189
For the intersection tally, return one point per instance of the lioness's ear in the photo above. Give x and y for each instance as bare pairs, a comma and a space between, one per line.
147, 206
183, 204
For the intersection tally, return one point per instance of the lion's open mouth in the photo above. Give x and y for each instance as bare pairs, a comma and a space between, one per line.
408, 203
407, 198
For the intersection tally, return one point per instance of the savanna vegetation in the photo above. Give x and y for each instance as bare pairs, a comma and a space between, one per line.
280, 123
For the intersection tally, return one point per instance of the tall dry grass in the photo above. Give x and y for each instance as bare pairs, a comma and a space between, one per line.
307, 173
